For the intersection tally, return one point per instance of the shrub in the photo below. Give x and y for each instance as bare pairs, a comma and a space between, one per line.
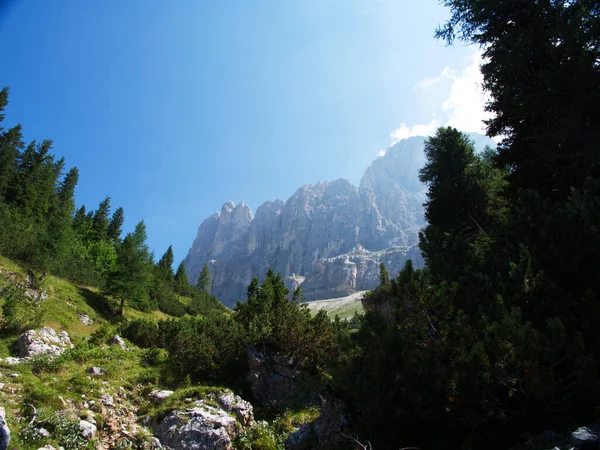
20, 312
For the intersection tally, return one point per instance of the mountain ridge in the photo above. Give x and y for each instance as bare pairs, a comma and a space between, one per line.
329, 237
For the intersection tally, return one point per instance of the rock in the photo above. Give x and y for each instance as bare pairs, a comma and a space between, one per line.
43, 432
201, 427
85, 319
155, 443
117, 340
583, 436
107, 401
44, 341
47, 447
97, 371
542, 439
11, 361
88, 430
89, 416
4, 431
325, 431
273, 380
242, 409
159, 397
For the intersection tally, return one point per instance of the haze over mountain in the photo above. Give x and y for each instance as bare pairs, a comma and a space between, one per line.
329, 237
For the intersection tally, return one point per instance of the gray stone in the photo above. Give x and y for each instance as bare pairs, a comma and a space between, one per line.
242, 409
4, 431
43, 432
11, 361
583, 435
88, 430
201, 427
324, 432
85, 319
97, 371
273, 380
107, 401
45, 341
159, 397
117, 340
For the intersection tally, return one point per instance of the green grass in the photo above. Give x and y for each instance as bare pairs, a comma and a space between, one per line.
347, 311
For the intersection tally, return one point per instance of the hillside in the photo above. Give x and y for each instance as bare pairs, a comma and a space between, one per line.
101, 393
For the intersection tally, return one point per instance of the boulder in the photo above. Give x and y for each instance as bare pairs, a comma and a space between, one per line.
4, 431
273, 379
88, 430
97, 371
198, 428
11, 361
323, 432
45, 341
159, 397
85, 319
117, 340
584, 436
235, 404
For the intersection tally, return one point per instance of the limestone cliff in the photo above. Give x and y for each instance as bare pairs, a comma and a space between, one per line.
329, 237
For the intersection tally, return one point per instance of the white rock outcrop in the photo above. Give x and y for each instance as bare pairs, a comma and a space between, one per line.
45, 341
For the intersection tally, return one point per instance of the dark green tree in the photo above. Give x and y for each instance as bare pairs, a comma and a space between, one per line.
115, 225
204, 279
181, 280
101, 220
11, 143
131, 279
384, 275
541, 72
165, 265
298, 296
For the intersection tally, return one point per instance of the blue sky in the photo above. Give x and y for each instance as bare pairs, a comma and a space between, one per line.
172, 108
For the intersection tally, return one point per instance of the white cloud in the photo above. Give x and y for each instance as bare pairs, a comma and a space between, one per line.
447, 73
404, 131
463, 108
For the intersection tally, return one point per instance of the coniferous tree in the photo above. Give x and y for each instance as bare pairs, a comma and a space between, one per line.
204, 281
298, 296
67, 191
11, 143
101, 220
165, 265
130, 280
384, 275
181, 280
115, 225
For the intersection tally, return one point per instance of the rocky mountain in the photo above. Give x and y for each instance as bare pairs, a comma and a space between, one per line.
329, 237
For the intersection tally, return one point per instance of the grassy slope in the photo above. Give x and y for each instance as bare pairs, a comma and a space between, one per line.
62, 391
64, 384
343, 307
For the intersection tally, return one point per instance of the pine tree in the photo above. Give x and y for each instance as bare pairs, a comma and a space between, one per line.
115, 225
11, 143
165, 265
298, 296
66, 191
131, 279
181, 279
384, 276
204, 281
100, 221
